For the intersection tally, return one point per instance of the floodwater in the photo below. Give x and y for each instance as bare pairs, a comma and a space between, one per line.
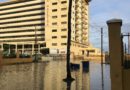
50, 75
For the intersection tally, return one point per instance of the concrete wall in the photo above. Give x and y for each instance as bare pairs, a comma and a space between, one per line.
126, 79
115, 48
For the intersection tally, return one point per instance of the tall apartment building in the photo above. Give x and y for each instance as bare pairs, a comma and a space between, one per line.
56, 26
25, 22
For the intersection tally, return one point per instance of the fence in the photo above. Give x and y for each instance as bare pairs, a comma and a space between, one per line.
126, 50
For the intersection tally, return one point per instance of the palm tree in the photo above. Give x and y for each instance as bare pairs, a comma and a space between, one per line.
69, 78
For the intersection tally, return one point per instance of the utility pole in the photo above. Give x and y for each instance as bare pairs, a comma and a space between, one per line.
128, 43
102, 59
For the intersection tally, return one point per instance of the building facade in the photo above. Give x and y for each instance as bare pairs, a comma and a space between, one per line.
56, 26
21, 23
44, 24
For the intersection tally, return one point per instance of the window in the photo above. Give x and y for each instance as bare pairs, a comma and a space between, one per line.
63, 36
54, 23
54, 30
64, 29
63, 43
54, 44
54, 16
63, 8
63, 22
64, 15
54, 3
63, 2
54, 10
54, 37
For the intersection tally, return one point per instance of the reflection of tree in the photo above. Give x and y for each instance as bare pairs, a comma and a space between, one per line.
68, 86
38, 76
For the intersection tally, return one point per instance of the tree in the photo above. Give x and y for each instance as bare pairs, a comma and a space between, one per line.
69, 78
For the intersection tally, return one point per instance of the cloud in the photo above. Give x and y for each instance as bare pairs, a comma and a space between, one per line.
102, 10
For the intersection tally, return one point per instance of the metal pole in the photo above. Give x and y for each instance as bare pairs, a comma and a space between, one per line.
128, 43
125, 52
122, 46
102, 59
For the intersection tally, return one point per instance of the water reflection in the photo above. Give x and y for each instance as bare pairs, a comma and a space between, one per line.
48, 76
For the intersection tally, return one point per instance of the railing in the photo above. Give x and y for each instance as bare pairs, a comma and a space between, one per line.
126, 50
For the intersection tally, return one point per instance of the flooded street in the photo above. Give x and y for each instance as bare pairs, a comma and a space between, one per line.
50, 75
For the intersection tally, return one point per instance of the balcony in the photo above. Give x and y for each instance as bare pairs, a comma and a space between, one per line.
85, 23
78, 9
77, 34
85, 26
85, 33
84, 38
78, 27
78, 21
85, 16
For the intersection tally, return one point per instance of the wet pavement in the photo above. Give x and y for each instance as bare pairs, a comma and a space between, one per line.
50, 75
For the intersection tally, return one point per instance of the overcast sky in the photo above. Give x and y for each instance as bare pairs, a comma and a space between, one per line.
102, 10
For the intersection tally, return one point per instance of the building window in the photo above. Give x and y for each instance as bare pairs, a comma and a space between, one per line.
63, 36
54, 30
54, 3
64, 29
54, 23
54, 44
54, 16
63, 8
63, 22
64, 15
54, 37
54, 10
63, 43
63, 2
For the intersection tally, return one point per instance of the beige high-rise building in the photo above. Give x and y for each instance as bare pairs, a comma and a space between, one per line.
45, 22
56, 26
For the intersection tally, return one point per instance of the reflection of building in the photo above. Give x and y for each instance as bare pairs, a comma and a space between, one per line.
82, 78
22, 20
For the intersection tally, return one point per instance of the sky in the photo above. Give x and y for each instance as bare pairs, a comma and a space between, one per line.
103, 10
2, 0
